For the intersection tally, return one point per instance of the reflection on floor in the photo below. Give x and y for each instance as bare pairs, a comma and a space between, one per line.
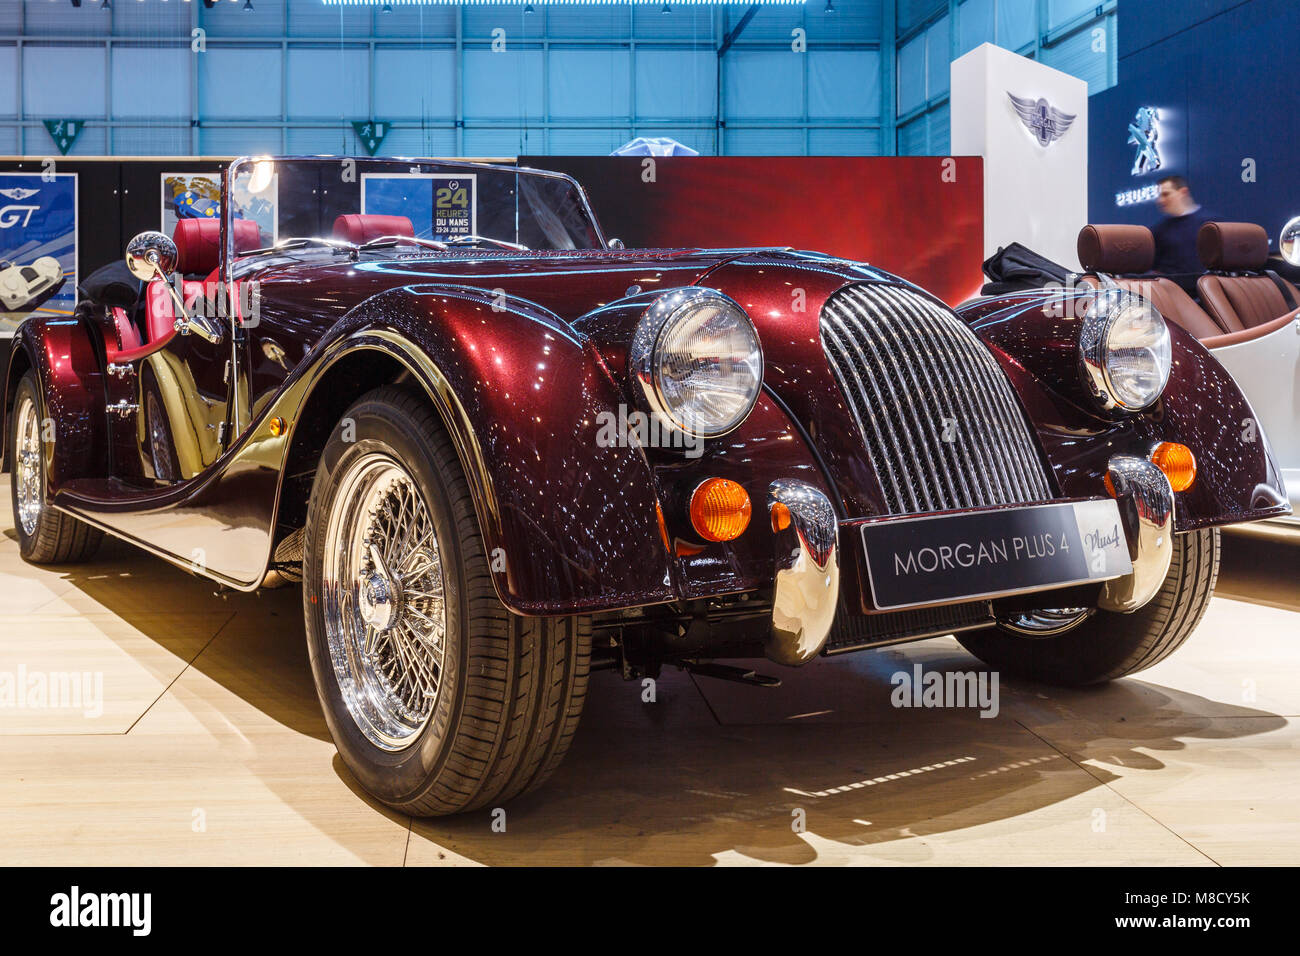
206, 746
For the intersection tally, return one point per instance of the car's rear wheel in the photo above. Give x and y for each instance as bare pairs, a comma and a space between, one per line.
1105, 645
45, 536
438, 698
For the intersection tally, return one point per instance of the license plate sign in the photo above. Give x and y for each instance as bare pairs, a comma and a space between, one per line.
936, 558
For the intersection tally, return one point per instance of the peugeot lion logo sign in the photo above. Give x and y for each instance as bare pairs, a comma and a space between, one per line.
1144, 133
1041, 118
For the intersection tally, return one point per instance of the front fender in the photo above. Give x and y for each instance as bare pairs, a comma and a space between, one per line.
570, 523
1034, 337
71, 382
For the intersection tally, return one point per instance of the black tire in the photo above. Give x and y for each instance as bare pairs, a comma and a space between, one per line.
55, 537
511, 688
1109, 645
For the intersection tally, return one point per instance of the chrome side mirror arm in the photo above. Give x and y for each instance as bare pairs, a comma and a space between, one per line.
153, 255
200, 325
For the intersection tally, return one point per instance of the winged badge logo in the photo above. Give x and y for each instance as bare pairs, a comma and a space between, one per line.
1041, 118
18, 194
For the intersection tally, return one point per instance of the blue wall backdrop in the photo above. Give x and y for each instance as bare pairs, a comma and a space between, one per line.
1222, 74
290, 75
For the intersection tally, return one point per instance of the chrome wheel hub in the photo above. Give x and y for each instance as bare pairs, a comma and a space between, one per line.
1047, 622
378, 599
27, 467
384, 601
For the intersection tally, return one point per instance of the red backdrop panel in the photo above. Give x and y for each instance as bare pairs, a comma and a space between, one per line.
920, 217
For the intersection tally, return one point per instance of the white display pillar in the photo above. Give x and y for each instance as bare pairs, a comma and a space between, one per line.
1034, 194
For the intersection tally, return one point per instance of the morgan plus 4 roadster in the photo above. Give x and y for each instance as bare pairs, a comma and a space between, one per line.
499, 450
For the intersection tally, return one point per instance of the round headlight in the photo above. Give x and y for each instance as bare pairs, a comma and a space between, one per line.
1125, 351
696, 361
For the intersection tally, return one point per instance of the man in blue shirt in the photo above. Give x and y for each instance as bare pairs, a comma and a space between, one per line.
1176, 233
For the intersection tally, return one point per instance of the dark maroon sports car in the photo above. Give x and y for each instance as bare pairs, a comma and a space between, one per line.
498, 449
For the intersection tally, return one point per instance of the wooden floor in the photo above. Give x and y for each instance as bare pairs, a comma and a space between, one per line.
207, 746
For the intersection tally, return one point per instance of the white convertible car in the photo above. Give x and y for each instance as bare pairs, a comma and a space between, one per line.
19, 285
1248, 316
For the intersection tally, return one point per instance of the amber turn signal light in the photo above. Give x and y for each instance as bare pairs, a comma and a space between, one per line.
780, 517
720, 509
1177, 462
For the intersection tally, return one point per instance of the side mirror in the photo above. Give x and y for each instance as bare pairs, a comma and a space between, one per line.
152, 255
616, 244
1288, 243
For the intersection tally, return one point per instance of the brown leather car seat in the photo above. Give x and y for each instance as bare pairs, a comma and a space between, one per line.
1124, 254
1238, 292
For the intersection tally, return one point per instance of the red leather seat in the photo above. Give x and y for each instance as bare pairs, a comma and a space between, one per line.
1237, 291
198, 243
1125, 255
198, 252
359, 228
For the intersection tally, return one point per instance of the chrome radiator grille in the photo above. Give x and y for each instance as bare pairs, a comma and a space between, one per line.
937, 414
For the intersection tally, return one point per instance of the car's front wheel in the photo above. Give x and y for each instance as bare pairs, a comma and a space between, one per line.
1074, 647
438, 698
45, 536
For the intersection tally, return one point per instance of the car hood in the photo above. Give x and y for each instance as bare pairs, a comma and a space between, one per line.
567, 283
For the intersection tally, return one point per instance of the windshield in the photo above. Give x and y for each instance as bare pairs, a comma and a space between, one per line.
462, 204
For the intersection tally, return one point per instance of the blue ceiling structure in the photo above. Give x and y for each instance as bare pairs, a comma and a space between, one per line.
222, 77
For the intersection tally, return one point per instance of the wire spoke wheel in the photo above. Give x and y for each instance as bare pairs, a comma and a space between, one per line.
45, 534
438, 697
384, 601
27, 466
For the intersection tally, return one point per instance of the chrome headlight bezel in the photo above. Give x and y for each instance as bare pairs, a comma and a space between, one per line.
644, 355
1095, 350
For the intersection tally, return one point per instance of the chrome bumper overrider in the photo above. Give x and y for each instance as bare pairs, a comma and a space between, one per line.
1146, 506
807, 573
808, 563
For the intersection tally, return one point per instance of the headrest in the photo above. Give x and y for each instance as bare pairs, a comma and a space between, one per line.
1116, 250
1232, 246
198, 243
359, 228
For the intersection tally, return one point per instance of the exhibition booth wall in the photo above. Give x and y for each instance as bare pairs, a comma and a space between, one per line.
82, 212
1221, 96
1030, 124
920, 217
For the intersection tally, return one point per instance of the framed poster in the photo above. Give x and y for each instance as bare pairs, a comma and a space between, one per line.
38, 246
189, 196
439, 205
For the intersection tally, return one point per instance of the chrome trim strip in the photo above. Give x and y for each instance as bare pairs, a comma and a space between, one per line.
905, 365
863, 410
924, 434
938, 394
1146, 507
807, 587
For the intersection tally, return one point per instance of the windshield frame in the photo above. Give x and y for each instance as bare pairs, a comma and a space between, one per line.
230, 174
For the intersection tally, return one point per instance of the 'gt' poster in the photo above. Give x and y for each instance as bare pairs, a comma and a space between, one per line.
38, 246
